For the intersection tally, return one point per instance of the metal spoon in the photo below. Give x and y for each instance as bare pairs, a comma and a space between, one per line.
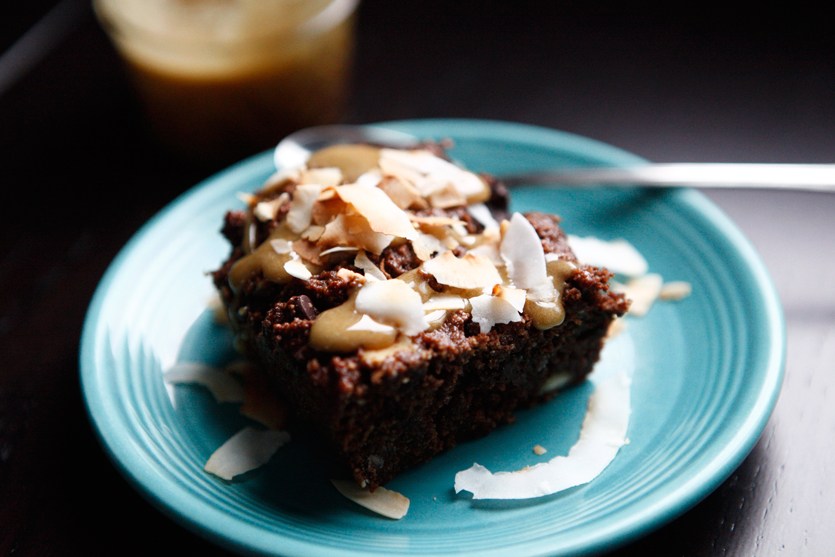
294, 150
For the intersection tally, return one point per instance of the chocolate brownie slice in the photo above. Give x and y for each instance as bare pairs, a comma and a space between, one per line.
398, 308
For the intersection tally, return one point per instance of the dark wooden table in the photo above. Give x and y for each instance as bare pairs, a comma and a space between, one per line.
80, 176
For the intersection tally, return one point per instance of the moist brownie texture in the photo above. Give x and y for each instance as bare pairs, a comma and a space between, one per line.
395, 345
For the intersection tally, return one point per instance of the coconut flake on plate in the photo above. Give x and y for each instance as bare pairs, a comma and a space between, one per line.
247, 450
675, 290
223, 386
642, 292
619, 256
602, 435
385, 502
392, 302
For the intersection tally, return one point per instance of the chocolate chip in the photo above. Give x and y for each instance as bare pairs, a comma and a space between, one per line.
305, 306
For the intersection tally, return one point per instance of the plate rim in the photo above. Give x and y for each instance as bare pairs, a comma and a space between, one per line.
687, 495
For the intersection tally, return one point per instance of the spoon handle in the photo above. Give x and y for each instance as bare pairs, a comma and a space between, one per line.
808, 177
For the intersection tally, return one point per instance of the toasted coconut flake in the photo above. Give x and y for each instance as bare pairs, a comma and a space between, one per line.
281, 246
382, 214
491, 252
675, 290
370, 179
426, 245
445, 302
266, 210
393, 302
488, 310
482, 214
223, 386
391, 167
313, 233
296, 268
469, 240
338, 250
431, 173
350, 276
468, 272
382, 501
326, 176
353, 230
367, 324
402, 193
514, 296
642, 291
300, 214
281, 176
336, 233
436, 317
619, 256
308, 251
602, 435
434, 223
326, 207
522, 252
372, 271
247, 450
446, 197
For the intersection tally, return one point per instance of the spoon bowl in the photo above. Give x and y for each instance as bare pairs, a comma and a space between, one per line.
295, 149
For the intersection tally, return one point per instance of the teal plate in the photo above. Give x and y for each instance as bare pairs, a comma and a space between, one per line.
706, 374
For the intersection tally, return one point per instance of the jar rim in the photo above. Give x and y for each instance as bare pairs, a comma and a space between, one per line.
121, 24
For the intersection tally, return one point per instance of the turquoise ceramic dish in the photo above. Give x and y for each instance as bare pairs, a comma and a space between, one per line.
706, 374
